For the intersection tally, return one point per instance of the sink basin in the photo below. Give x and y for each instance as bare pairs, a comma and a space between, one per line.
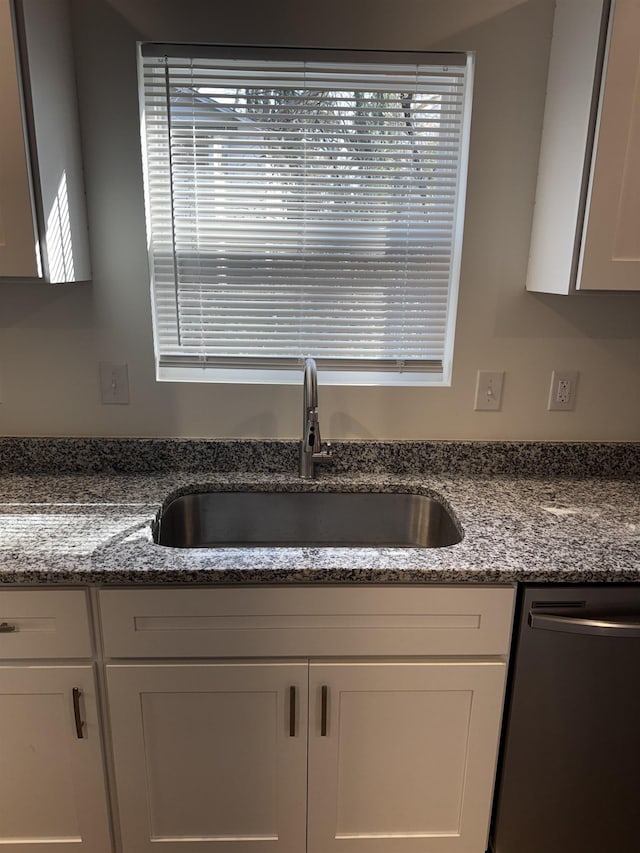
305, 519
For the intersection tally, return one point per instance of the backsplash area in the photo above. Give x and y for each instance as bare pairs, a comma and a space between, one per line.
131, 456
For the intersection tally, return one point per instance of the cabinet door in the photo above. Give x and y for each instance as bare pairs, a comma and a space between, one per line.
52, 788
210, 756
611, 249
17, 225
404, 759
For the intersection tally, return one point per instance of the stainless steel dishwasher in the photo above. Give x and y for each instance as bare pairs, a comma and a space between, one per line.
569, 776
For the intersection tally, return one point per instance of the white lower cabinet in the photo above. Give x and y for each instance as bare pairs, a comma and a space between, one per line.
297, 720
394, 755
52, 782
402, 755
298, 749
210, 756
52, 787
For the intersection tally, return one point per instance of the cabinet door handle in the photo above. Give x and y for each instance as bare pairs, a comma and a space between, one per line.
76, 693
6, 628
292, 711
323, 713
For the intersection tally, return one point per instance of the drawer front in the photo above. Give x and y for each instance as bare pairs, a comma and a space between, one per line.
44, 624
306, 621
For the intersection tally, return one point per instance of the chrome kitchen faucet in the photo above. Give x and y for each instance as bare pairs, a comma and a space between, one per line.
311, 450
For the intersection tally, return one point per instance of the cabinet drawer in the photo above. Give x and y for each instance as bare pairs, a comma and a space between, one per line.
44, 624
306, 621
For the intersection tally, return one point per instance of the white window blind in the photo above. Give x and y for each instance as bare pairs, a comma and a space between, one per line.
304, 204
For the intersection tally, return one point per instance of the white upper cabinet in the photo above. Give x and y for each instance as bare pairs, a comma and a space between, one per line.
43, 228
586, 226
610, 258
17, 225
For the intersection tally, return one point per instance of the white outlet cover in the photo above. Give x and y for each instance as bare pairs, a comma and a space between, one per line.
562, 391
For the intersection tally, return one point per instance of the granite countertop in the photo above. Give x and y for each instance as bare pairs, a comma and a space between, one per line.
60, 525
79, 511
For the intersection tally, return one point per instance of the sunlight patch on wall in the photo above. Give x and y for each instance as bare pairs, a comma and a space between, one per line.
59, 240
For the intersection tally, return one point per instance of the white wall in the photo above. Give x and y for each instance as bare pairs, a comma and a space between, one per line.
51, 339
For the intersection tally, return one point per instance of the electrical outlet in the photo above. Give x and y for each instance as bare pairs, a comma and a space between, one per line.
562, 391
114, 383
489, 390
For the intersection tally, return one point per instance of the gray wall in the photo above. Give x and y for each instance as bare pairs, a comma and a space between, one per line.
51, 339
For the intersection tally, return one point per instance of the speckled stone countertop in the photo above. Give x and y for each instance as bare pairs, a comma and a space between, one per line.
79, 511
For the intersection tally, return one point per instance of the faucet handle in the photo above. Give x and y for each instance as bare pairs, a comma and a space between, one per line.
324, 454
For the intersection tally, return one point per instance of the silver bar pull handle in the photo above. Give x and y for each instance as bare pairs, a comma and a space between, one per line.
324, 707
589, 626
76, 693
292, 712
6, 628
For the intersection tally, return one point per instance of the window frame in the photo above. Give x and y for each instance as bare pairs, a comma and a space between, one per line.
331, 371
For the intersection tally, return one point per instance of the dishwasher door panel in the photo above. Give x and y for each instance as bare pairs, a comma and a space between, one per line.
570, 768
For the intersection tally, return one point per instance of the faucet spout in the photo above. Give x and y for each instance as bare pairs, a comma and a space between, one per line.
311, 449
310, 393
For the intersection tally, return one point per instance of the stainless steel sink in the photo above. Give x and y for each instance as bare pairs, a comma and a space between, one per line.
307, 519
